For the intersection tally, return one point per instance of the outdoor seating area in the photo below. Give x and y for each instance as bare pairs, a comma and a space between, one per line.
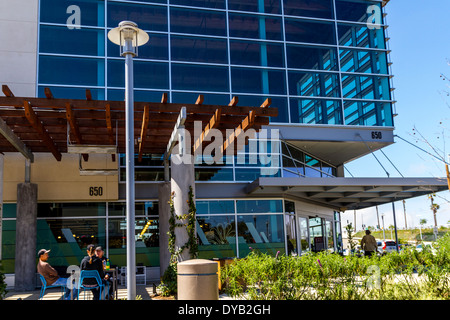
147, 292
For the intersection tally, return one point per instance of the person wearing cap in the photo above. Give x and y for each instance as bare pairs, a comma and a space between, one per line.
92, 262
51, 275
101, 255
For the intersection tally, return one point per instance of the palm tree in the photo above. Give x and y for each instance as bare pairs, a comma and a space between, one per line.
434, 207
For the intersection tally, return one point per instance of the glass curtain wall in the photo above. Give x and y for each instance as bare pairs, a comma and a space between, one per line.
321, 61
234, 228
225, 228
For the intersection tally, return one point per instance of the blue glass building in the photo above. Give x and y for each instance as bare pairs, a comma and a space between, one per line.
323, 63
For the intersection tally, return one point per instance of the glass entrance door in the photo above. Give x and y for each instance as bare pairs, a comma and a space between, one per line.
303, 238
317, 234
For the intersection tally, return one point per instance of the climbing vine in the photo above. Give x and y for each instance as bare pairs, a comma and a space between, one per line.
169, 280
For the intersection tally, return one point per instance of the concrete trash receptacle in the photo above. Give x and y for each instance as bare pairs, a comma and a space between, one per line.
197, 279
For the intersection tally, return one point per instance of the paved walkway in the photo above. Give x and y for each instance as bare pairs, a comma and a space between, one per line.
146, 293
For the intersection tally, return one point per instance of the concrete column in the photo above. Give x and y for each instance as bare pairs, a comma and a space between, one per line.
182, 177
26, 237
164, 215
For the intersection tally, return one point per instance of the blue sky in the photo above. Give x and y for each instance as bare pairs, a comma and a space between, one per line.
420, 42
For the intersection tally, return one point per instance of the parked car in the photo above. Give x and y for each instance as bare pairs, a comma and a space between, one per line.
389, 246
380, 246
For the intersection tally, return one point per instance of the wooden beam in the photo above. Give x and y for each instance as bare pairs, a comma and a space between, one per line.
199, 99
145, 121
39, 128
233, 102
118, 106
70, 115
88, 95
266, 103
212, 124
9, 135
48, 93
164, 98
246, 124
6, 91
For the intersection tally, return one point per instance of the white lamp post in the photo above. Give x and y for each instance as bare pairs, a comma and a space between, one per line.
129, 37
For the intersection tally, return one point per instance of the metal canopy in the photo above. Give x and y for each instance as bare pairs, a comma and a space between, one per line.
347, 193
51, 124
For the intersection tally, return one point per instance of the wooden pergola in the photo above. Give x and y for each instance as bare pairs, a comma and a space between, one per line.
50, 124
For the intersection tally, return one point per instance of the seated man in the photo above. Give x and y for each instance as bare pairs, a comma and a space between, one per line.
92, 262
51, 275
100, 254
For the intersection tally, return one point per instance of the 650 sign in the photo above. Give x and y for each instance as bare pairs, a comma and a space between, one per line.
95, 191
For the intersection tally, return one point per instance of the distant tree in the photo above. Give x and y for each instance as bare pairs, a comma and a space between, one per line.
351, 241
434, 207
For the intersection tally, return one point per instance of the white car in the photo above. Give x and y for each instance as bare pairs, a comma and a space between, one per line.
389, 246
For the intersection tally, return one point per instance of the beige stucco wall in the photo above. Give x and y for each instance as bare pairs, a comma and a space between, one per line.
60, 180
18, 45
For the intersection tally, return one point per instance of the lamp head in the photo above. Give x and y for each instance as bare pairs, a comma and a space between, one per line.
128, 36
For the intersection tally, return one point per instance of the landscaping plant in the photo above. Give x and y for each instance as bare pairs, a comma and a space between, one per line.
407, 275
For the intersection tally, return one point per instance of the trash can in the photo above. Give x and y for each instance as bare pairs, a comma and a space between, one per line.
197, 280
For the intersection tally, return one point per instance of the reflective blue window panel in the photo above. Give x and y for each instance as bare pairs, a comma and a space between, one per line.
208, 98
360, 36
255, 26
246, 174
91, 12
307, 31
84, 41
368, 113
253, 53
196, 49
309, 8
262, 6
316, 111
264, 81
156, 48
152, 75
214, 206
211, 173
147, 17
262, 233
313, 84
71, 71
199, 78
277, 102
215, 4
259, 206
72, 93
217, 236
355, 10
197, 21
363, 61
365, 87
310, 57
139, 95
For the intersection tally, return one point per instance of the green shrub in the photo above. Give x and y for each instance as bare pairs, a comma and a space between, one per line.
3, 291
406, 275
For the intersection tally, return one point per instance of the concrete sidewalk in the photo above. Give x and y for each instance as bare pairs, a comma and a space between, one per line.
146, 293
